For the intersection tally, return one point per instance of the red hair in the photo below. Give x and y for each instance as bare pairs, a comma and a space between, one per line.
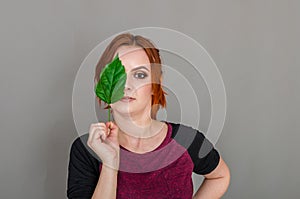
127, 39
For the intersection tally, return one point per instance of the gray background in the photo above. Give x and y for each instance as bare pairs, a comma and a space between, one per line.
254, 43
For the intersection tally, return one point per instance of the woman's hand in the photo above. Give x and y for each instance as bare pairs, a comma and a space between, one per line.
103, 140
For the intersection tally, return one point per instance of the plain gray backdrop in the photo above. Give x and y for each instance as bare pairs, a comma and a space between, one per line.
254, 43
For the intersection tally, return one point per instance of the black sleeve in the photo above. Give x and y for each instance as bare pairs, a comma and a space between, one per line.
83, 170
205, 157
202, 152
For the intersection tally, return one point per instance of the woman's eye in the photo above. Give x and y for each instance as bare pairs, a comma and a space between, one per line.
140, 75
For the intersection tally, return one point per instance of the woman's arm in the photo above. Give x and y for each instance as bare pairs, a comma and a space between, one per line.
107, 184
105, 144
215, 183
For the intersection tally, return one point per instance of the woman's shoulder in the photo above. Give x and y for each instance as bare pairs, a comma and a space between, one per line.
186, 135
202, 152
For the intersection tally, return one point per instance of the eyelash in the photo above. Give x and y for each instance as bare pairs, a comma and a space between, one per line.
145, 75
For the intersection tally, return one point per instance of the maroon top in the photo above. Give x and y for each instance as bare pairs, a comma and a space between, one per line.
145, 177
165, 172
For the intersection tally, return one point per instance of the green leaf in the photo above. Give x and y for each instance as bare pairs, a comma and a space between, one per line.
110, 87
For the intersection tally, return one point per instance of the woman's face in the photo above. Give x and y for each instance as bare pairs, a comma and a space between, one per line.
138, 84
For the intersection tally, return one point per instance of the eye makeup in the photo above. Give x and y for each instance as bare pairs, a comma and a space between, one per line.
138, 72
140, 75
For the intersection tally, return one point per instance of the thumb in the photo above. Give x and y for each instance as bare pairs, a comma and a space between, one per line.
110, 125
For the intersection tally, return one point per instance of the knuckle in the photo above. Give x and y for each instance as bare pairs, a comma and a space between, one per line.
93, 124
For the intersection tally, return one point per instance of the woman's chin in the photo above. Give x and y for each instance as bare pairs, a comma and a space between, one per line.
123, 111
129, 109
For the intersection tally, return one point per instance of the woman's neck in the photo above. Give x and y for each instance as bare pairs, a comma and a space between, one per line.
138, 134
134, 126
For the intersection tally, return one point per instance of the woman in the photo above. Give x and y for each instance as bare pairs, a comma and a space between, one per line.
137, 156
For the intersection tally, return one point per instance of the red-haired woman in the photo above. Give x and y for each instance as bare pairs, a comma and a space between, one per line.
137, 156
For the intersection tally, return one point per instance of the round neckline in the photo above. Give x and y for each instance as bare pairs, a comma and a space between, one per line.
159, 146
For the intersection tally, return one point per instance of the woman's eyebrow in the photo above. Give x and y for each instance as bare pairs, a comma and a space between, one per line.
140, 67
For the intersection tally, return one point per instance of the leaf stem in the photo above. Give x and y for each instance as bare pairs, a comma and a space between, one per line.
108, 114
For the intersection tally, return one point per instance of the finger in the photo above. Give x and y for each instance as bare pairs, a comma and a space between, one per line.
93, 127
111, 125
108, 125
96, 135
97, 125
91, 133
100, 134
100, 124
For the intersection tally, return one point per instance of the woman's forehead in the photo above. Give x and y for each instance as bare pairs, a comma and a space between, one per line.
132, 56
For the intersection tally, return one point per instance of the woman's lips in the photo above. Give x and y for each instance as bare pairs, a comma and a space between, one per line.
127, 99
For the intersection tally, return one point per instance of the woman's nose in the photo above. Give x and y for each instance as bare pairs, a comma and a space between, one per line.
128, 84
127, 88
